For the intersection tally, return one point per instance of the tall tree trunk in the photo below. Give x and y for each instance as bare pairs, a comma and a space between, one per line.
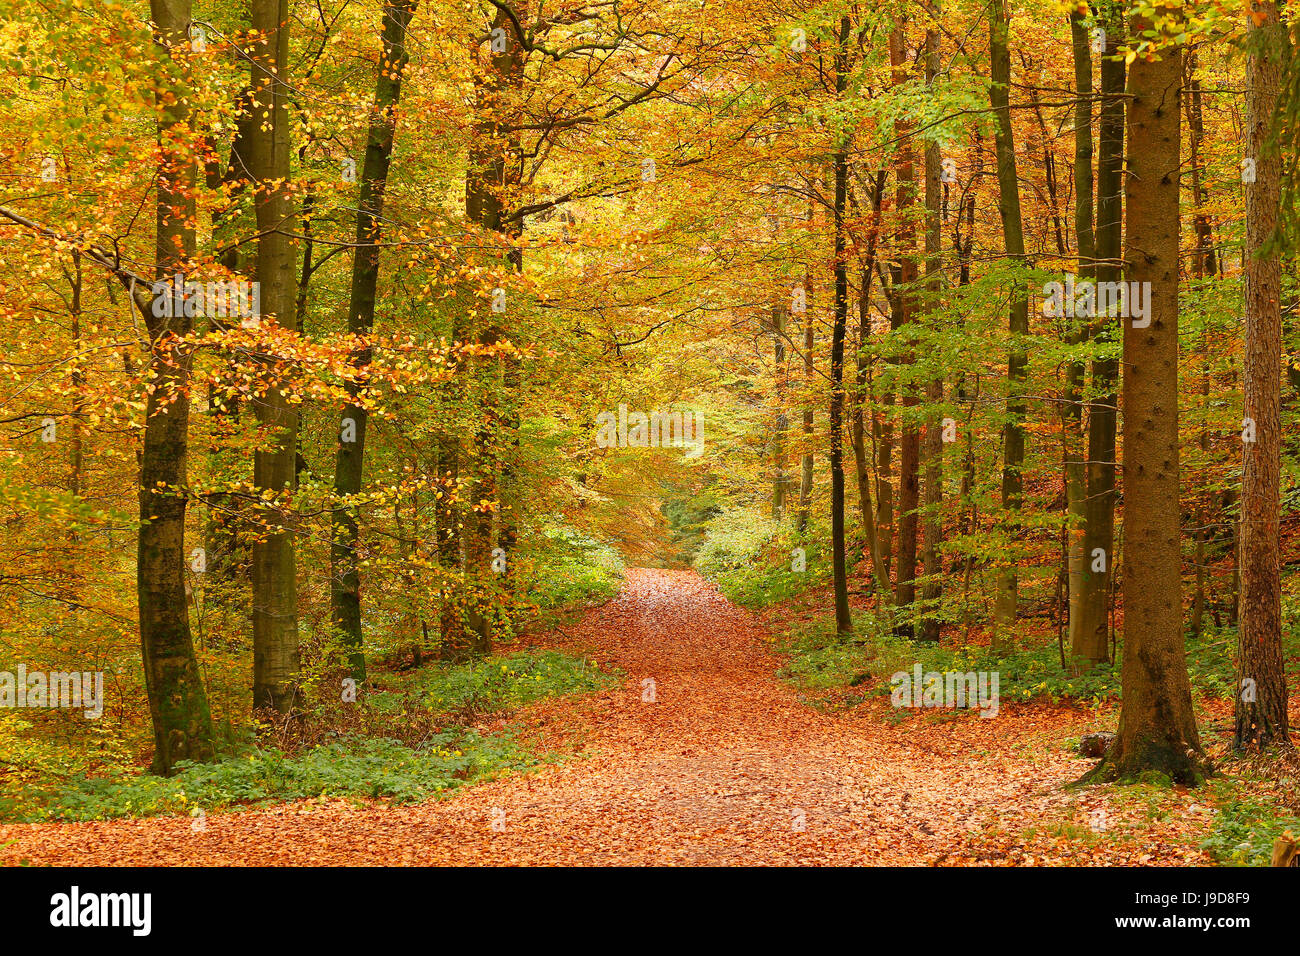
862, 396
843, 621
932, 590
275, 588
178, 706
1261, 717
1157, 726
780, 458
345, 581
964, 252
904, 302
1007, 597
883, 433
1076, 491
491, 181
1089, 637
1203, 266
809, 374
451, 624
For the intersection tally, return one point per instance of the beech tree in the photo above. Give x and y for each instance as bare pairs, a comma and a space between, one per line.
276, 654
345, 578
1013, 438
1157, 726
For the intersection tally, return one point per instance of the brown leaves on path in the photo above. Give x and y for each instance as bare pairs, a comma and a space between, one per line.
702, 756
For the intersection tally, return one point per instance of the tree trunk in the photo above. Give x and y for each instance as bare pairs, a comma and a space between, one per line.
275, 588
1076, 491
1203, 266
932, 591
879, 566
1157, 726
1007, 597
227, 554
909, 485
345, 582
1090, 636
843, 621
781, 376
178, 706
1206, 257
809, 372
1261, 717
491, 180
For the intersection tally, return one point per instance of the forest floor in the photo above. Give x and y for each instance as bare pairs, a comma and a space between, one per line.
727, 765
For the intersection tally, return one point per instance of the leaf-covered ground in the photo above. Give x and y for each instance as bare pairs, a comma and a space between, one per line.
725, 766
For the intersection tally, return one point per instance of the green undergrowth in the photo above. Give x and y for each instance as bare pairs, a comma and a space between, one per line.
757, 562
1247, 823
445, 697
820, 661
571, 571
494, 685
351, 767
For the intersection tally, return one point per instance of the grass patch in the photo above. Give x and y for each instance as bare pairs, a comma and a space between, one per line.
353, 767
495, 685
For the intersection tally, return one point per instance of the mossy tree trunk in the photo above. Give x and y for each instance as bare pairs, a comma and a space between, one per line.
178, 705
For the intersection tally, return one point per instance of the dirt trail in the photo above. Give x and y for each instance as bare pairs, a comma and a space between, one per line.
726, 766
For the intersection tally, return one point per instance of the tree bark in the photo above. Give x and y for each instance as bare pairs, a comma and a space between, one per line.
491, 181
1090, 636
809, 374
178, 706
904, 307
1157, 726
879, 566
781, 375
1261, 712
932, 589
275, 588
345, 580
843, 620
1072, 408
1007, 596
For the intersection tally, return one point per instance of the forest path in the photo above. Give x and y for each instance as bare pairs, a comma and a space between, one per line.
725, 766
